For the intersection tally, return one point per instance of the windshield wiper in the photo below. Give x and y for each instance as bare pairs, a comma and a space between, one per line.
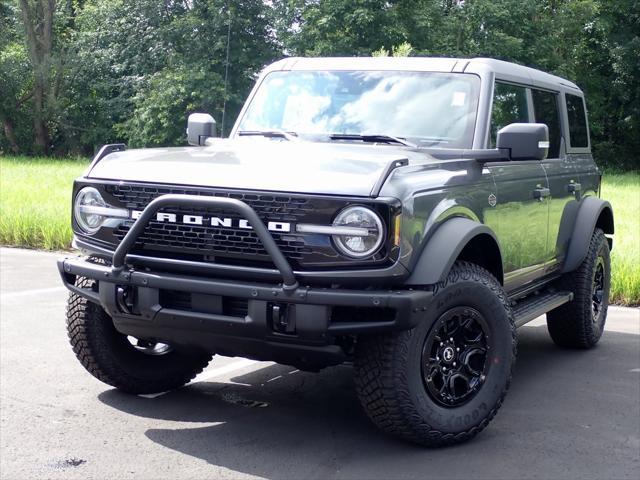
291, 136
372, 138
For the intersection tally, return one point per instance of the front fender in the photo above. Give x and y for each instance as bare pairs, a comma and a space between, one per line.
444, 247
592, 212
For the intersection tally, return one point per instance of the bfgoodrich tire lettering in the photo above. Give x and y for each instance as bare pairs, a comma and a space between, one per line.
111, 358
388, 367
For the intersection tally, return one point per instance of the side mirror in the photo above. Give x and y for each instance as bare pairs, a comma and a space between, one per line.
525, 141
200, 126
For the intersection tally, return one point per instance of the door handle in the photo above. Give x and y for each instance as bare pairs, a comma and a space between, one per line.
541, 193
574, 187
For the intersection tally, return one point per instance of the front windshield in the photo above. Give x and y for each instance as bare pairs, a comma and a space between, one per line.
429, 109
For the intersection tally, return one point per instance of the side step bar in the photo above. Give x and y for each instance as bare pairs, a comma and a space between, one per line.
533, 306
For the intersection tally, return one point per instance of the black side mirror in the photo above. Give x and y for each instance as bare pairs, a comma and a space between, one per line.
525, 141
200, 126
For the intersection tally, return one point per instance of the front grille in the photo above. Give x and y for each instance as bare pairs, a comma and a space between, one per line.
218, 243
234, 245
210, 241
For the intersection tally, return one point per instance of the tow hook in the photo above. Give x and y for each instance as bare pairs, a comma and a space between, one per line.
124, 299
281, 321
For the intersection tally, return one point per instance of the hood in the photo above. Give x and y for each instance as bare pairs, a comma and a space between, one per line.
259, 164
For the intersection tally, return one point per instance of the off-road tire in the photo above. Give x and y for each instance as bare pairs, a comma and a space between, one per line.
109, 356
573, 325
388, 367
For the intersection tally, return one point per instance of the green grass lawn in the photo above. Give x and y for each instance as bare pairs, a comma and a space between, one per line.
623, 191
35, 201
35, 211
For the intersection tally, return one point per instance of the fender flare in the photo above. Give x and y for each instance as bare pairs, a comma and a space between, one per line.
590, 211
444, 247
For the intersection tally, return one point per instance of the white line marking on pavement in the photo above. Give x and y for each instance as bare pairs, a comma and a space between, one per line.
635, 370
35, 291
209, 374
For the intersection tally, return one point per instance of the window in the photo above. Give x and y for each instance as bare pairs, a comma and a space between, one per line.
578, 134
509, 106
545, 106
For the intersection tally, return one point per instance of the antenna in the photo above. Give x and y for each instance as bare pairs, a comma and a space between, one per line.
226, 72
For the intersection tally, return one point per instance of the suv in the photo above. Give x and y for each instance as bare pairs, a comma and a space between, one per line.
403, 214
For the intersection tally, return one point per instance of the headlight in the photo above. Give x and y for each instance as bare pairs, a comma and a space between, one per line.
367, 236
91, 211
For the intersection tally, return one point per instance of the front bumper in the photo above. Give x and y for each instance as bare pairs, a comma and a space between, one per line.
284, 322
295, 326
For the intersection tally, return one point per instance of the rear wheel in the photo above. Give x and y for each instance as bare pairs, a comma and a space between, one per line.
580, 323
127, 363
443, 381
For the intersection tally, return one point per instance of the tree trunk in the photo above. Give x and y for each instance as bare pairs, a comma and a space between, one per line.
37, 16
11, 135
41, 140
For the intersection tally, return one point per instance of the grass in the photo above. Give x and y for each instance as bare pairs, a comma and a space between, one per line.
35, 211
623, 191
35, 201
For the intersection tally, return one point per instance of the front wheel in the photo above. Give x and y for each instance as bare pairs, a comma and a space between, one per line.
131, 365
443, 381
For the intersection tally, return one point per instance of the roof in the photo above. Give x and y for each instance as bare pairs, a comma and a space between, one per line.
425, 64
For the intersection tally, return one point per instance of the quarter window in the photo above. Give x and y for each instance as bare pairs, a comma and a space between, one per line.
509, 106
545, 106
578, 134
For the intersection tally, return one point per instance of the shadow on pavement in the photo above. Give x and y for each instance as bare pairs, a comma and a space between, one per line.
278, 422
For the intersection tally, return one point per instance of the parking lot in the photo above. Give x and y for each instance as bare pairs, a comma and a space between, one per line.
568, 414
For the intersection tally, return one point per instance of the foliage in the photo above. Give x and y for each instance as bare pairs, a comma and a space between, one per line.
402, 50
120, 70
133, 71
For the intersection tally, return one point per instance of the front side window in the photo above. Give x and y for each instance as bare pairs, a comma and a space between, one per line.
545, 106
578, 134
429, 109
509, 106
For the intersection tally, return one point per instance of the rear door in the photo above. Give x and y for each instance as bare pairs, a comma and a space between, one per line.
522, 193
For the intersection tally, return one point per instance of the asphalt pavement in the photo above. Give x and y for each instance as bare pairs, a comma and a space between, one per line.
569, 414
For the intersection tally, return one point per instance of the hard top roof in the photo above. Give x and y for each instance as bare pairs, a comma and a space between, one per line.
423, 64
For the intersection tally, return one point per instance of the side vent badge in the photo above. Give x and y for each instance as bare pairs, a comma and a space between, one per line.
493, 200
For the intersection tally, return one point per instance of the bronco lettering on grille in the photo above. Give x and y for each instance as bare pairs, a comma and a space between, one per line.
222, 222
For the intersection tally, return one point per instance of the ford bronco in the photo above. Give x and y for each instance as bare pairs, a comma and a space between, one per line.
405, 215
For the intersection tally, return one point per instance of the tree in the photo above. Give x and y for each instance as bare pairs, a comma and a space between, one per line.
78, 73
14, 78
37, 18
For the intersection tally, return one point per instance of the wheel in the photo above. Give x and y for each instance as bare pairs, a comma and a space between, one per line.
131, 365
580, 323
443, 381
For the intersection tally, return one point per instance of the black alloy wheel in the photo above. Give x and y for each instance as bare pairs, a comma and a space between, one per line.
454, 357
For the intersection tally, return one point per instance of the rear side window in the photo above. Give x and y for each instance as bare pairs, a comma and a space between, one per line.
509, 106
545, 106
578, 135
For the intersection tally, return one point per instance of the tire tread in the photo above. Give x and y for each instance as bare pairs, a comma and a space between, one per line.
380, 385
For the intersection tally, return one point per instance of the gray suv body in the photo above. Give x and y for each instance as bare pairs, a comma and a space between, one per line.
406, 214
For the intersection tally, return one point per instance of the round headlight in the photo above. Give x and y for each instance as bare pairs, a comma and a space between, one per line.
362, 245
85, 212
